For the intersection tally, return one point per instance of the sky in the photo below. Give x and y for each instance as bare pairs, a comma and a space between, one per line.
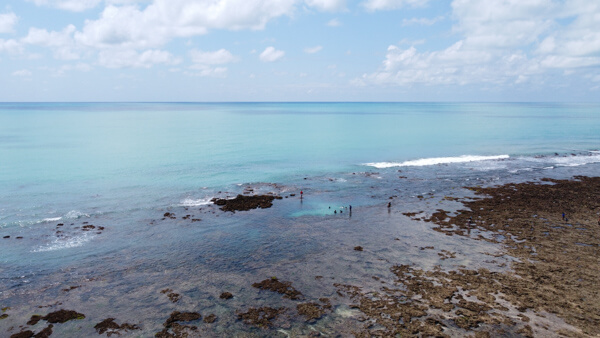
300, 50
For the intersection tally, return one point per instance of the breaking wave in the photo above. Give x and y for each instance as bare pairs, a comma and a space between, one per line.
436, 160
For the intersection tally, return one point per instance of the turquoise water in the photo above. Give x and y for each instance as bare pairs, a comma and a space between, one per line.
123, 165
73, 151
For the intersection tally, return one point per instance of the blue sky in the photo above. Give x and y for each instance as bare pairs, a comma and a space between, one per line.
300, 50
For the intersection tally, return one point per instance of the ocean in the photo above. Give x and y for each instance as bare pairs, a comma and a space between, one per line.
122, 166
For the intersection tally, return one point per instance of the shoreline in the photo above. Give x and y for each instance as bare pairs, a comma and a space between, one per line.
392, 295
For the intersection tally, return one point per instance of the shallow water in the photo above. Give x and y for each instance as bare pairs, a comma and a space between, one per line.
122, 166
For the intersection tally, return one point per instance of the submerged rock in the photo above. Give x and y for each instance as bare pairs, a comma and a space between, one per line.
261, 317
226, 295
285, 288
110, 327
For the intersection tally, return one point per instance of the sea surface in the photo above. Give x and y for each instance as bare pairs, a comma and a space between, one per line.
122, 166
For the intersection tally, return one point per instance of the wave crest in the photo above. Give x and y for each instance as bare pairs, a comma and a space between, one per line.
436, 160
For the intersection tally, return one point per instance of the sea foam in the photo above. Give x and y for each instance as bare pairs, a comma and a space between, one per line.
65, 243
436, 160
188, 202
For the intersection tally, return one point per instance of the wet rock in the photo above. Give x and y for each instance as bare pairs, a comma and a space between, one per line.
173, 297
6, 237
169, 215
177, 316
283, 287
45, 333
261, 317
23, 334
358, 248
244, 203
211, 318
19, 237
226, 295
62, 316
88, 227
3, 316
109, 327
34, 319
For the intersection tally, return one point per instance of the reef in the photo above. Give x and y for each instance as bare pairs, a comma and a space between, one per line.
245, 203
260, 317
555, 273
174, 329
283, 287
109, 327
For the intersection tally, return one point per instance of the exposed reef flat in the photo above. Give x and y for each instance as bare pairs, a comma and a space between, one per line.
555, 274
245, 203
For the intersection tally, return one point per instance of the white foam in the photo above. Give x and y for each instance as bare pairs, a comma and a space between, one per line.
568, 161
76, 214
436, 160
188, 202
52, 219
65, 243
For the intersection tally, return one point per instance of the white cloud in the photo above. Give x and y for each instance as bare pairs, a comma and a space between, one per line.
119, 58
205, 62
80, 5
163, 20
377, 5
334, 23
22, 73
455, 65
270, 54
61, 43
69, 5
312, 50
421, 21
503, 42
221, 56
206, 71
327, 5
10, 46
501, 23
7, 22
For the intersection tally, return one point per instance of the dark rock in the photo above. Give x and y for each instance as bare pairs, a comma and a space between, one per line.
45, 333
19, 237
211, 318
244, 203
110, 327
358, 248
34, 320
23, 334
177, 316
62, 316
285, 288
6, 237
260, 317
226, 295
